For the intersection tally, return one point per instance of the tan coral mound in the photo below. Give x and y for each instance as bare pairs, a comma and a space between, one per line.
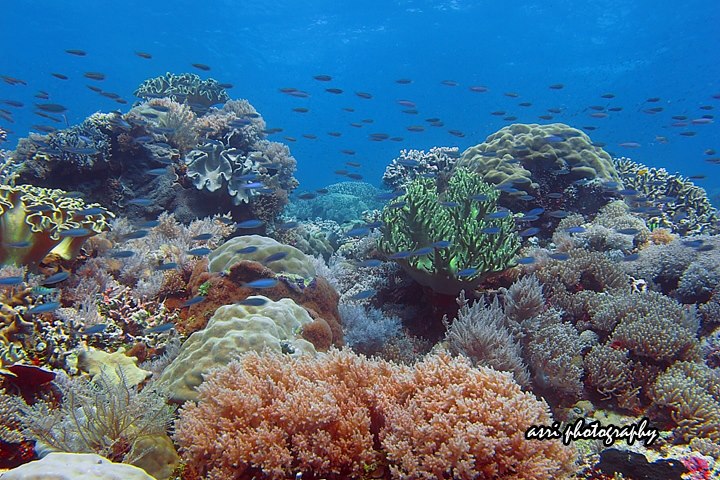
341, 415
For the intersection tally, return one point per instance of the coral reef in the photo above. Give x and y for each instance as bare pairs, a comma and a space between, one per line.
233, 329
685, 268
344, 202
528, 162
667, 200
187, 88
411, 164
38, 221
255, 248
478, 243
76, 466
479, 334
347, 416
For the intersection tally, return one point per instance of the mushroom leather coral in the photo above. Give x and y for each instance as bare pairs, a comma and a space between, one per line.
33, 219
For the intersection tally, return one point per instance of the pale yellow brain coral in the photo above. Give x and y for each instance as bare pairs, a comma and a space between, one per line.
257, 248
521, 154
75, 466
232, 330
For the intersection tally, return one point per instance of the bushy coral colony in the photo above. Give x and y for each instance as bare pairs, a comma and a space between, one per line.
520, 310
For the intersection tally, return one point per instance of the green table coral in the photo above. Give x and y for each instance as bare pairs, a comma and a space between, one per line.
449, 241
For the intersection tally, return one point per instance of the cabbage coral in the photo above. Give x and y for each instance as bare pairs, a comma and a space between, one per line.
424, 217
35, 222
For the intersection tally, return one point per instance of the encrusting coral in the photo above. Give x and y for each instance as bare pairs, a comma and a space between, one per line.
340, 415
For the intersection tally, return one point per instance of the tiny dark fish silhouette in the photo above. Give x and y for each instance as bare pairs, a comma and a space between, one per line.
201, 66
144, 55
364, 95
77, 53
94, 75
403, 81
51, 107
322, 78
556, 86
335, 91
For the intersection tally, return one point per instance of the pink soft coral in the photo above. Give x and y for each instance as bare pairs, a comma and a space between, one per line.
341, 415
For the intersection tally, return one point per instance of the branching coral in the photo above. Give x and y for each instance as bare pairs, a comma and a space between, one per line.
478, 245
411, 164
37, 221
188, 88
344, 416
670, 201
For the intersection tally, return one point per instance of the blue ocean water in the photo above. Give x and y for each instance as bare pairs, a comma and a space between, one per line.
635, 50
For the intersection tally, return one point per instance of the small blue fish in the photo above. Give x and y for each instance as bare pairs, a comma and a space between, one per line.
554, 139
372, 262
120, 253
529, 232
199, 252
525, 260
692, 243
480, 197
167, 266
11, 280
99, 328
75, 232
400, 255
275, 257
56, 278
363, 295
628, 231
627, 192
24, 244
562, 256
160, 328
150, 224
449, 204
576, 230
203, 237
535, 211
44, 308
40, 208
467, 272
253, 302
255, 223
262, 283
422, 251
705, 248
140, 202
136, 234
246, 250
193, 301
39, 290
442, 244
156, 172
630, 258
377, 224
91, 211
559, 214
358, 232
491, 230
498, 214
252, 185
397, 205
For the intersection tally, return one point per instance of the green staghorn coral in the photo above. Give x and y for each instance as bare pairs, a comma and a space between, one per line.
424, 216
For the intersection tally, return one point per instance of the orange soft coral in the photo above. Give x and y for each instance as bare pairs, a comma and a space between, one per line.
341, 415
